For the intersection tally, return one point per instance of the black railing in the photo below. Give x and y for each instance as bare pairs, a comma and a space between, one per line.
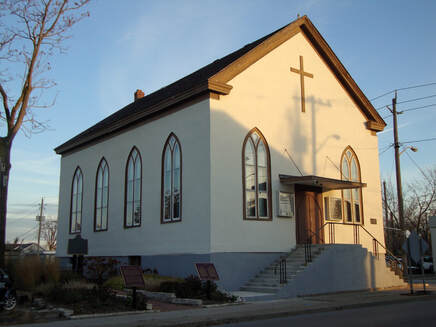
282, 270
308, 250
393, 262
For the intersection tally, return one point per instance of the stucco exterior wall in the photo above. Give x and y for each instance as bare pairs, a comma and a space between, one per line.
267, 96
191, 235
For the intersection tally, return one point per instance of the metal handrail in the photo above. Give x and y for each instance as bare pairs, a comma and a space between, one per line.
282, 270
316, 233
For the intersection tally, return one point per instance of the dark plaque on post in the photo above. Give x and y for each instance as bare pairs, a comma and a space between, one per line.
207, 272
77, 247
133, 278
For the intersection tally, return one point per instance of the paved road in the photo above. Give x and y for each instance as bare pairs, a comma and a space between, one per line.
414, 314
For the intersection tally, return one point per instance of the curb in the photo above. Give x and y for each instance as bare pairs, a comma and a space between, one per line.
261, 316
110, 314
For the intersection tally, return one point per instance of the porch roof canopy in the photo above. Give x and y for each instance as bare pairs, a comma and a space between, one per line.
327, 184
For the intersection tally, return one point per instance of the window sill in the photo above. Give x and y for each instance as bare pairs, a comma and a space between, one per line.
171, 221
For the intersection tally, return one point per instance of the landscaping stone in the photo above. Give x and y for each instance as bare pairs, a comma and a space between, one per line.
63, 312
187, 301
38, 303
162, 296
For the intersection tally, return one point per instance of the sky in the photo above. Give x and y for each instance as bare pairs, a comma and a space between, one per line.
139, 44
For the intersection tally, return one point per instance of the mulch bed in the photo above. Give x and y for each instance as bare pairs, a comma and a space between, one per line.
24, 314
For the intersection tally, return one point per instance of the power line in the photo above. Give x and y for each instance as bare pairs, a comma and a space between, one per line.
416, 99
419, 168
406, 101
380, 96
412, 109
401, 89
25, 233
422, 107
390, 146
423, 140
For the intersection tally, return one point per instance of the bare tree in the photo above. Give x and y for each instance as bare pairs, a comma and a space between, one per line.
31, 32
419, 204
49, 231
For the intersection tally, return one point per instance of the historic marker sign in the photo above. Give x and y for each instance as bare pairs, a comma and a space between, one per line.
132, 276
206, 271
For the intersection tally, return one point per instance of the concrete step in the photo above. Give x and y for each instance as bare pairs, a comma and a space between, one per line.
263, 284
260, 289
268, 280
288, 268
269, 275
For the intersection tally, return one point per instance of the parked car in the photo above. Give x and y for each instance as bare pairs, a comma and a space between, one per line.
8, 295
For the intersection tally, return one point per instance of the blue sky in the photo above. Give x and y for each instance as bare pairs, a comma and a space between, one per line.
131, 44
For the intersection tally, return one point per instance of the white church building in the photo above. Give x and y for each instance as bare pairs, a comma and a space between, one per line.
269, 147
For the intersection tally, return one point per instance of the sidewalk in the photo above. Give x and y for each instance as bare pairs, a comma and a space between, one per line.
253, 311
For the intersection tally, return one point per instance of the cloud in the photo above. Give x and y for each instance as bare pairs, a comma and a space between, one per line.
37, 164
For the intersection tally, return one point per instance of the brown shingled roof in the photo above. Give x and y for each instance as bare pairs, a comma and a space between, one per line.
141, 106
207, 80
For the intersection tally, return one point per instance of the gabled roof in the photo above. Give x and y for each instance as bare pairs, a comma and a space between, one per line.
213, 79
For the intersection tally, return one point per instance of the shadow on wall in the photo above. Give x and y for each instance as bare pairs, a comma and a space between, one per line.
298, 140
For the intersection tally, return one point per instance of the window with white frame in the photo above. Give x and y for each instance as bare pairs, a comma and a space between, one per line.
171, 180
256, 178
351, 198
132, 212
76, 202
101, 197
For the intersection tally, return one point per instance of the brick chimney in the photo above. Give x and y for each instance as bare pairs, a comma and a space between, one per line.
139, 94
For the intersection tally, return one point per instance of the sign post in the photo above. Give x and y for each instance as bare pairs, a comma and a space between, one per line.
207, 272
133, 278
77, 247
415, 247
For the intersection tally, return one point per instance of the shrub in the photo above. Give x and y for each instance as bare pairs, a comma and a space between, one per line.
152, 282
193, 287
169, 287
30, 271
44, 290
115, 283
99, 268
68, 275
51, 271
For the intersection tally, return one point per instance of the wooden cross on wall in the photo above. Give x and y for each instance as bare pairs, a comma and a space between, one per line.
302, 75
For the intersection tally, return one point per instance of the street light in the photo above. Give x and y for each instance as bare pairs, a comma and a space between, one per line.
408, 147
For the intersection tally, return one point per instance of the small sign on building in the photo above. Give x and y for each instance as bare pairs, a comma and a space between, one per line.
286, 203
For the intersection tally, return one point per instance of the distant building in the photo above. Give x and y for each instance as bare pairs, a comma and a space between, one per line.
12, 250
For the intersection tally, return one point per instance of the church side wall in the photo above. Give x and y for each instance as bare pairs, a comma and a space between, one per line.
190, 236
267, 96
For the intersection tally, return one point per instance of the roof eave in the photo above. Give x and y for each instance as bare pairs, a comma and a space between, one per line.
204, 88
374, 121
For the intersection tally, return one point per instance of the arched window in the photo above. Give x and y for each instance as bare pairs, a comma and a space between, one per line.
101, 197
351, 198
256, 176
171, 196
132, 211
76, 202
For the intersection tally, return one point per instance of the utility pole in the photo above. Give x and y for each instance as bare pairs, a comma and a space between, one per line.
386, 215
397, 164
400, 189
40, 219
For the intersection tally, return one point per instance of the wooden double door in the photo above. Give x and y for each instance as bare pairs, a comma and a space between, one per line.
309, 215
